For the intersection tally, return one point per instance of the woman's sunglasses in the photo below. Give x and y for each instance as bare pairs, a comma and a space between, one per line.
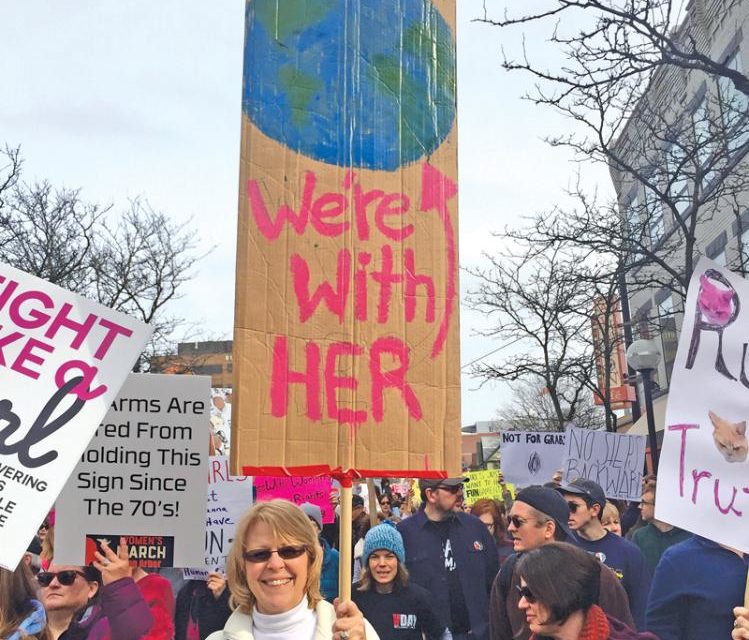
526, 593
65, 578
263, 555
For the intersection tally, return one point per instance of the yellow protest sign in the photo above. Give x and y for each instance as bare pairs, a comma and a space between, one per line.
484, 484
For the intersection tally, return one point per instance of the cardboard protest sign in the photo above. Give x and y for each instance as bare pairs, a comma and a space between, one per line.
229, 498
62, 360
531, 457
297, 490
703, 475
484, 484
346, 351
141, 476
613, 460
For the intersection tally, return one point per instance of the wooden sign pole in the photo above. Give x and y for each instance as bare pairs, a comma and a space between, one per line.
373, 520
344, 542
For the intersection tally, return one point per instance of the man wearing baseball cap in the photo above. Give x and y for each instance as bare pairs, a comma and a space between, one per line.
539, 516
586, 500
452, 555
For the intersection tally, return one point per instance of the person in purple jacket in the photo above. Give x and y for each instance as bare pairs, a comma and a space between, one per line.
94, 603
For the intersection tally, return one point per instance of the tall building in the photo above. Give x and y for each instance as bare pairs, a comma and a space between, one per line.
687, 188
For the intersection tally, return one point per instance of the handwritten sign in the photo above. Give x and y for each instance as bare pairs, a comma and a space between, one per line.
229, 498
531, 457
139, 476
297, 490
703, 478
484, 484
612, 460
346, 333
62, 360
400, 488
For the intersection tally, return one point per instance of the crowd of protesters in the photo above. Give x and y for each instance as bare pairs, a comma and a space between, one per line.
554, 561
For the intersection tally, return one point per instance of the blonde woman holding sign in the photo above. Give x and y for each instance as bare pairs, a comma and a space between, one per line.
274, 577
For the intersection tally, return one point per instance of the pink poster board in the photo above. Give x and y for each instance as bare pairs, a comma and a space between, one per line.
297, 490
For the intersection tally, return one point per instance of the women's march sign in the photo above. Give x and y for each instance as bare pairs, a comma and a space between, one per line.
62, 360
703, 479
346, 329
140, 476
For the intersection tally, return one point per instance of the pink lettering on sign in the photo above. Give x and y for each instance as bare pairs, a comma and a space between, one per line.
382, 379
297, 490
33, 310
377, 275
700, 477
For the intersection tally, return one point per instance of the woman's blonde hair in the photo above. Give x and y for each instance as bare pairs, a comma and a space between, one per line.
289, 525
610, 511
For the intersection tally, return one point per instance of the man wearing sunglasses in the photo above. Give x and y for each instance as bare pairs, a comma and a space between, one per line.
452, 555
586, 500
538, 517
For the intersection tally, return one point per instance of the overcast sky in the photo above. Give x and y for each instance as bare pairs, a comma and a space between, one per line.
142, 98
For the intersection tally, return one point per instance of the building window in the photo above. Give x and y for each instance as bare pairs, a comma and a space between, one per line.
744, 251
716, 250
705, 143
733, 106
669, 338
656, 222
633, 226
678, 185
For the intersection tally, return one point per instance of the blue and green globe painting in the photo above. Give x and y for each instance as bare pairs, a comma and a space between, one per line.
355, 83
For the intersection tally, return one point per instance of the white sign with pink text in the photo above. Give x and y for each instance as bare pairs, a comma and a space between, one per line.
62, 361
703, 476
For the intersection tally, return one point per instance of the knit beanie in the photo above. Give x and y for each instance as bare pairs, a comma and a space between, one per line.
383, 536
313, 512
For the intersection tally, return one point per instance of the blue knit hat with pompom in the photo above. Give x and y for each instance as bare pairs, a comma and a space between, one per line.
383, 536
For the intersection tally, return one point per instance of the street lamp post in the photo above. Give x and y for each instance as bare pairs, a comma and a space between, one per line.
644, 356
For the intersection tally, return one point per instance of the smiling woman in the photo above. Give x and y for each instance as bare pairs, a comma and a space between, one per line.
273, 570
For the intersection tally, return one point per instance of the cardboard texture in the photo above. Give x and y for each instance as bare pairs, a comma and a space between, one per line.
346, 343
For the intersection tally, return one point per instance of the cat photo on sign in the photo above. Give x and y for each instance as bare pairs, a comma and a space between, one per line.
729, 438
717, 307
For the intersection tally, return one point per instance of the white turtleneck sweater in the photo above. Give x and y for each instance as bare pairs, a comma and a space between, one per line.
298, 623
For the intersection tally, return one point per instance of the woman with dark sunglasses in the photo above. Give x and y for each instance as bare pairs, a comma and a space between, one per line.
558, 590
273, 569
95, 603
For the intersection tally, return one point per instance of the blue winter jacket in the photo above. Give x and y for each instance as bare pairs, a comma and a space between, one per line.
695, 587
329, 576
475, 556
